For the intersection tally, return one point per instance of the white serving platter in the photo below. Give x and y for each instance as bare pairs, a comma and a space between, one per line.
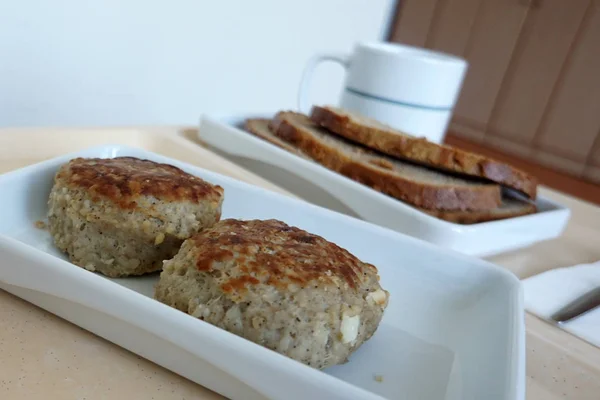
454, 328
326, 188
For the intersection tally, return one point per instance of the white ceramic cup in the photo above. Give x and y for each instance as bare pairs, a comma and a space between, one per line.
411, 89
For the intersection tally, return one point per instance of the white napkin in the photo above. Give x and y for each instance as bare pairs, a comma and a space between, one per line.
548, 292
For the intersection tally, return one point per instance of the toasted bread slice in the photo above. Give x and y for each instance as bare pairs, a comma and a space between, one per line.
510, 208
260, 127
411, 183
385, 139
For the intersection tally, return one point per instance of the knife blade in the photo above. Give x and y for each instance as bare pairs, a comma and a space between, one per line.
579, 306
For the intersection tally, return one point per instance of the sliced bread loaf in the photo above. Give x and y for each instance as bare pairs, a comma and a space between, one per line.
260, 127
411, 183
383, 138
510, 208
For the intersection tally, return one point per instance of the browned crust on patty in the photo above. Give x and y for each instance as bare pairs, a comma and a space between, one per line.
422, 151
379, 176
273, 253
124, 179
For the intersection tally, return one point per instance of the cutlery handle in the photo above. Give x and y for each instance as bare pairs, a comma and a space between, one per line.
579, 306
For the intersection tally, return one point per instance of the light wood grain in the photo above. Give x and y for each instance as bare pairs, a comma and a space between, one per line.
543, 46
574, 110
557, 366
491, 44
451, 26
47, 358
412, 26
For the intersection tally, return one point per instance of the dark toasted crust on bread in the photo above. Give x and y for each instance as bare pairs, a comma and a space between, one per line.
385, 139
414, 184
123, 180
510, 208
273, 253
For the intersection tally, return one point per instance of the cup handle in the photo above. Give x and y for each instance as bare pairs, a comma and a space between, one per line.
303, 103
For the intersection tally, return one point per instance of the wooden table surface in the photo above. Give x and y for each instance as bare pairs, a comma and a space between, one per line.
44, 357
559, 365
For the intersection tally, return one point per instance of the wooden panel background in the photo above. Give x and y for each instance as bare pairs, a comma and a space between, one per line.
592, 170
416, 16
492, 42
541, 51
575, 105
451, 25
533, 86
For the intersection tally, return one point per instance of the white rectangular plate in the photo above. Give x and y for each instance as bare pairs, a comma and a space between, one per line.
334, 191
454, 328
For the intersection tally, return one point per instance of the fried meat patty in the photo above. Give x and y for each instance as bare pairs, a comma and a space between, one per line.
124, 216
278, 286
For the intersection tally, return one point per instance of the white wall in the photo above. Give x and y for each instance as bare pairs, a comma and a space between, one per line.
116, 62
